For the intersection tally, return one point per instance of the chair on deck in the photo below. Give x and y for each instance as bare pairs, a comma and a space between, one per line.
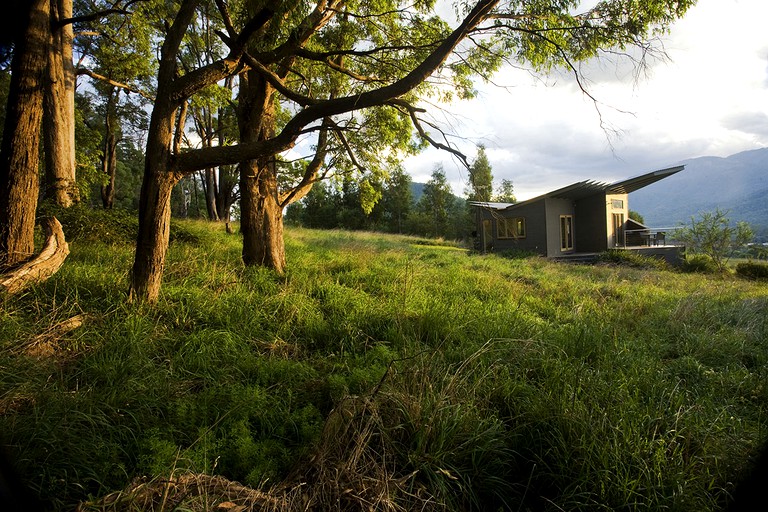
661, 237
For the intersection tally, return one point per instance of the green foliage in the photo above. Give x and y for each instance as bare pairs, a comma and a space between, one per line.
700, 263
636, 217
505, 192
752, 270
713, 235
436, 203
84, 224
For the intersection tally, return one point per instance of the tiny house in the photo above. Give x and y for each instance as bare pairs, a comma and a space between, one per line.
585, 217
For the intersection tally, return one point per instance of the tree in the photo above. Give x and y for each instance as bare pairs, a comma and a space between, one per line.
404, 48
480, 178
505, 192
59, 108
397, 200
19, 153
713, 235
636, 216
437, 202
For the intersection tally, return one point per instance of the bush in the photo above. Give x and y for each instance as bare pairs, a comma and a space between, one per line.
632, 259
752, 270
84, 224
700, 263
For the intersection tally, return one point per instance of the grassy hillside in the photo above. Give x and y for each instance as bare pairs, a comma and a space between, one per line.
389, 370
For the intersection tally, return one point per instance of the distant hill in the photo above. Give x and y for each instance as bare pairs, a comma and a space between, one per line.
738, 183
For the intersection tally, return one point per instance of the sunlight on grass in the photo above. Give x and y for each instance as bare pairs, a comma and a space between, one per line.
482, 382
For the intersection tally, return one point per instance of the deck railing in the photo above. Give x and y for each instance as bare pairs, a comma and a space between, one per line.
647, 237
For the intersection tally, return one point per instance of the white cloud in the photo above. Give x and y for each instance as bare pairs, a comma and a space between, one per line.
710, 98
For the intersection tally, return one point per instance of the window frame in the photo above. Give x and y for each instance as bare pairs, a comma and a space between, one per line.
511, 228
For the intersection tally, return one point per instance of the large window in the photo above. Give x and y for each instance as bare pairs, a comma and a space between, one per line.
511, 228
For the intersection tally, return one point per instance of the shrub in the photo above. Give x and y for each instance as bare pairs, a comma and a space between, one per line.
632, 259
713, 235
700, 263
752, 270
84, 224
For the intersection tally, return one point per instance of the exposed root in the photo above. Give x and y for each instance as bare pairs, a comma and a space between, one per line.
44, 265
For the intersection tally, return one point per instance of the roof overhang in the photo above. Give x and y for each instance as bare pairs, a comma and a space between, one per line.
638, 182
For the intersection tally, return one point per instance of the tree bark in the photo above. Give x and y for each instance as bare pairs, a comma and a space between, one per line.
261, 215
19, 153
59, 108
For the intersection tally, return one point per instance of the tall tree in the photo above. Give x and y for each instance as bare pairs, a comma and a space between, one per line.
480, 178
397, 200
59, 108
405, 46
437, 203
19, 153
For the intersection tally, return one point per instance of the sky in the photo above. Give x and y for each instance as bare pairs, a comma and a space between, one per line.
709, 98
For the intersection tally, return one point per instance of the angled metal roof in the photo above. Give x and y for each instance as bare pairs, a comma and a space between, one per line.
587, 188
638, 182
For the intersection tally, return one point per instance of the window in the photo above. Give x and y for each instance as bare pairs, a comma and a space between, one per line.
617, 204
511, 228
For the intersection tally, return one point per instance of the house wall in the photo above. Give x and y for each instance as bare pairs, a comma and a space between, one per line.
591, 216
554, 209
536, 235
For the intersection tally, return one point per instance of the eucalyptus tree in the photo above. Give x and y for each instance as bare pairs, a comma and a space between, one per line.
59, 108
480, 178
372, 55
19, 153
39, 35
506, 192
437, 203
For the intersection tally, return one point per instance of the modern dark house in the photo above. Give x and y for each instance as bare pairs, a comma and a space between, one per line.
584, 218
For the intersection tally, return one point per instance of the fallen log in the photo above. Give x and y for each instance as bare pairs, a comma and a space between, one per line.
41, 267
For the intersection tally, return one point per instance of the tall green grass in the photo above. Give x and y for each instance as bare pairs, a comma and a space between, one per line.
471, 382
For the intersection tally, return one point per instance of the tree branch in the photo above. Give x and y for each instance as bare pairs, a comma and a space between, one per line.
314, 166
209, 157
412, 111
106, 80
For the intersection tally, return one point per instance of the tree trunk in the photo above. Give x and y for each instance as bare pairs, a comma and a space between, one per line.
210, 194
109, 167
19, 153
154, 205
109, 155
59, 107
261, 215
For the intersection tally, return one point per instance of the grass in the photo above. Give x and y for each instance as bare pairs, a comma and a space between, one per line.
390, 370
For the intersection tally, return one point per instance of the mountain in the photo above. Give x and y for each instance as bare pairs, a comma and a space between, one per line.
738, 184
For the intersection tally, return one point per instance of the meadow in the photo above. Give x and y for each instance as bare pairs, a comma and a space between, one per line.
383, 372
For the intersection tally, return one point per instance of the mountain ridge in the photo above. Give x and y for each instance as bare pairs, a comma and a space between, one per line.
737, 184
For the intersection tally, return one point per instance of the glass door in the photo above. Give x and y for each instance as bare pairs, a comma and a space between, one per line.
618, 229
566, 233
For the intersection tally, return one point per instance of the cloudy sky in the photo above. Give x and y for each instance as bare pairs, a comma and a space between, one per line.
709, 99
